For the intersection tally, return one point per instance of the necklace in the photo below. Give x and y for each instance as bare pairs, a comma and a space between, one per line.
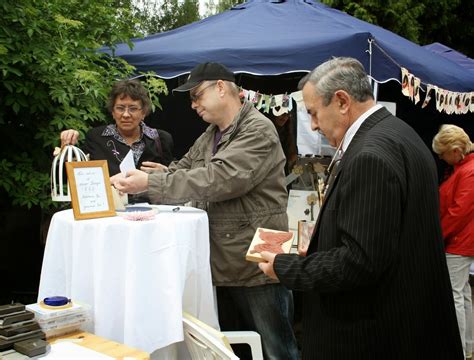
133, 140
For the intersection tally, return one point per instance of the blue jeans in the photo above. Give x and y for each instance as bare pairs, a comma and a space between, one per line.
266, 309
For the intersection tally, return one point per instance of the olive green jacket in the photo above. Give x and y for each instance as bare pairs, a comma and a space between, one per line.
241, 187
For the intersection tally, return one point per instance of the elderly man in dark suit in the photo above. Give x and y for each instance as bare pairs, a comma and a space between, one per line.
375, 280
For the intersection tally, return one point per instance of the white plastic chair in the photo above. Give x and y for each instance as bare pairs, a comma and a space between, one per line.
202, 345
246, 337
226, 338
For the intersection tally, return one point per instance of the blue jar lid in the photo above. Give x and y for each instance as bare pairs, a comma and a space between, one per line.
56, 301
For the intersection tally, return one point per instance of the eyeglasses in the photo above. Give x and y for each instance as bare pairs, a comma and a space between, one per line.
131, 109
195, 97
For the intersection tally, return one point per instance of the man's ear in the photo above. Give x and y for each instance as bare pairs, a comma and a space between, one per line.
221, 87
343, 100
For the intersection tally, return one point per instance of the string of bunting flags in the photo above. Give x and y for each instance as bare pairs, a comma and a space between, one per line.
277, 104
450, 102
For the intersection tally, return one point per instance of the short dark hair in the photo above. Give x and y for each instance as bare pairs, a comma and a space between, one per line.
132, 88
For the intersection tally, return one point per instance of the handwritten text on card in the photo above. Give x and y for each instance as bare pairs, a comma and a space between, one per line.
91, 189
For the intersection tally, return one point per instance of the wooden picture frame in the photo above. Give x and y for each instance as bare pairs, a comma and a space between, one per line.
91, 193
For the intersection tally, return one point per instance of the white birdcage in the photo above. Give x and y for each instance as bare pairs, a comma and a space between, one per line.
59, 184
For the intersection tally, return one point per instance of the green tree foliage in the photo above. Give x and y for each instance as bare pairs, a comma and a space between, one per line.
450, 22
217, 6
52, 78
423, 22
157, 16
399, 16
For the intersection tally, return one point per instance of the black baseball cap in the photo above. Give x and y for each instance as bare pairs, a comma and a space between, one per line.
206, 71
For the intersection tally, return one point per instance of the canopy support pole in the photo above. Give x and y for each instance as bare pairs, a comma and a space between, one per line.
370, 56
374, 84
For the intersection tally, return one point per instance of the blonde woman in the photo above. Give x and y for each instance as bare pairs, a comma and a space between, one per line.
453, 145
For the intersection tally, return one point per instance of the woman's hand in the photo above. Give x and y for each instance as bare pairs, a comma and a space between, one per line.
149, 166
69, 137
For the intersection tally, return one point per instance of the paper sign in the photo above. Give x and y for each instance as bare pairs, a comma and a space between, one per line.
91, 189
301, 207
127, 163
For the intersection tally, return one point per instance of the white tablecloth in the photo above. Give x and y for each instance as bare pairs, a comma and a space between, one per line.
138, 276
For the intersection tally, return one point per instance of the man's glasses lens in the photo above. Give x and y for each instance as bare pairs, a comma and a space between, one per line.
195, 97
131, 109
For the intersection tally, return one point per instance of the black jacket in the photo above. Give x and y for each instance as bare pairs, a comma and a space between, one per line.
107, 148
375, 280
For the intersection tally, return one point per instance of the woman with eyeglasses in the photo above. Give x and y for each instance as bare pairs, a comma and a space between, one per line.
129, 104
453, 146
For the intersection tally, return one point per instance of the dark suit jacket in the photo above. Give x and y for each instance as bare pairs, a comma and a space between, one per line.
375, 278
107, 148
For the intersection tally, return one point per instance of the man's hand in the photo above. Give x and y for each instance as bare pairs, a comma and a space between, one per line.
69, 137
267, 267
114, 179
135, 182
149, 166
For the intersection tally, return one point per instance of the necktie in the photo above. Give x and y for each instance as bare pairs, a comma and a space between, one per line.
332, 171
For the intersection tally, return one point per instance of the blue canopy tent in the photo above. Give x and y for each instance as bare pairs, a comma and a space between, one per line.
272, 42
451, 54
265, 37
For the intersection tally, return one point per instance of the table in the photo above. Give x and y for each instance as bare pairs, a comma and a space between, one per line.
138, 276
102, 345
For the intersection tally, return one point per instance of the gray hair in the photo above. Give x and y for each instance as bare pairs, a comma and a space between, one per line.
341, 73
234, 89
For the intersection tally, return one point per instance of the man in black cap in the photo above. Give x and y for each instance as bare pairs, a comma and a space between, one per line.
235, 171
